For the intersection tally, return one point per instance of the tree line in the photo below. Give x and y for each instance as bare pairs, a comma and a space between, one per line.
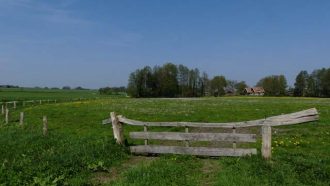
274, 85
315, 84
172, 80
113, 90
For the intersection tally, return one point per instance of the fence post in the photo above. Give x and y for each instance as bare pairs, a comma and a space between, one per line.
45, 126
145, 128
117, 129
2, 109
7, 116
39, 102
266, 148
21, 118
14, 104
234, 142
187, 141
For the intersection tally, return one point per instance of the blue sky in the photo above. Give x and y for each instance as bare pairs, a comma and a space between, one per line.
94, 43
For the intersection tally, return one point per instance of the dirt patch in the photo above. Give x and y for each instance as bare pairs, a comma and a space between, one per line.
101, 178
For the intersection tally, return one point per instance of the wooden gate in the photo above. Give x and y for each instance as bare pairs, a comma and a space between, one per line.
265, 124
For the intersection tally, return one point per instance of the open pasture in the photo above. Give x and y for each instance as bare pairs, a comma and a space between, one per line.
20, 94
80, 150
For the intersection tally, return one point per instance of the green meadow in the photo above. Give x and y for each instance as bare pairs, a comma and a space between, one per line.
79, 150
20, 94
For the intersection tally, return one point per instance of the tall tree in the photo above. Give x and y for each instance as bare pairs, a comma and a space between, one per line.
282, 85
218, 83
132, 84
205, 86
168, 82
274, 85
183, 80
300, 86
325, 82
240, 86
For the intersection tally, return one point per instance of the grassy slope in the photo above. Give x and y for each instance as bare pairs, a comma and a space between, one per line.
78, 145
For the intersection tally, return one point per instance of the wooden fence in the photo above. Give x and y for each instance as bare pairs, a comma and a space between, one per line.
14, 104
265, 124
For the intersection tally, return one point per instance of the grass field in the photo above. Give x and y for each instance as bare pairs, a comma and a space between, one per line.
81, 151
19, 94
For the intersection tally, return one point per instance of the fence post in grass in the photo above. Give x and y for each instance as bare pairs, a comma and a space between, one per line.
14, 104
145, 128
21, 118
39, 102
187, 141
2, 109
45, 126
117, 129
7, 116
266, 149
234, 142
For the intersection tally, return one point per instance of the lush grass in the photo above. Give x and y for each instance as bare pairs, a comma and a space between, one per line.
168, 170
78, 145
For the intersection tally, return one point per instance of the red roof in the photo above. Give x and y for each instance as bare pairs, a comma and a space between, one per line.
251, 90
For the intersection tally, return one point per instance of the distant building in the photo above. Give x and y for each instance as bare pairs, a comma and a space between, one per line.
230, 91
254, 91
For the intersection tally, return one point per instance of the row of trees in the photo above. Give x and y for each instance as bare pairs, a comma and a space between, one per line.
168, 80
113, 90
172, 80
316, 84
275, 85
9, 86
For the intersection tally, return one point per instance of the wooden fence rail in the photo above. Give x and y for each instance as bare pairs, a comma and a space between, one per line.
265, 124
14, 104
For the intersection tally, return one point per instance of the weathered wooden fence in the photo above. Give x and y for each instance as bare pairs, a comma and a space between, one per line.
14, 104
265, 124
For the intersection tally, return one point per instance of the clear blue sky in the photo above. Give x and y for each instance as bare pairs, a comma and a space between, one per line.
94, 43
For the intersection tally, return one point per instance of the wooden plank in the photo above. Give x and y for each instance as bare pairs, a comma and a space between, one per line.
106, 121
117, 127
145, 130
198, 151
21, 118
6, 116
180, 136
186, 141
234, 142
286, 119
266, 149
45, 126
190, 124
